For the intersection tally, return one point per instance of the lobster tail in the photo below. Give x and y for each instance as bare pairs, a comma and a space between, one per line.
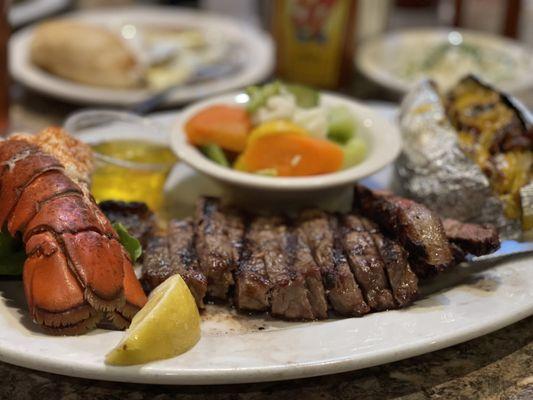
76, 271
133, 293
54, 295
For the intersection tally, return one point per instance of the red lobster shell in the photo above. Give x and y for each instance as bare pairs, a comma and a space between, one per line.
76, 272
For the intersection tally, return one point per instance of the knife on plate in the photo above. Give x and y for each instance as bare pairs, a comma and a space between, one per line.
507, 249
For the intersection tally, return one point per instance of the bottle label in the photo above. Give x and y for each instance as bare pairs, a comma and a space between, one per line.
310, 37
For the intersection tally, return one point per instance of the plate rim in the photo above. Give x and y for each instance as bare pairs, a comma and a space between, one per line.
265, 373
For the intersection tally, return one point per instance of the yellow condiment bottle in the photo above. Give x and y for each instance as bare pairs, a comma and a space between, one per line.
315, 41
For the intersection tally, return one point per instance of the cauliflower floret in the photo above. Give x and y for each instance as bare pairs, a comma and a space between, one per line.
280, 106
314, 120
283, 106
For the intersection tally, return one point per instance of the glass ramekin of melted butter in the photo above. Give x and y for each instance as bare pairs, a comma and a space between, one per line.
132, 158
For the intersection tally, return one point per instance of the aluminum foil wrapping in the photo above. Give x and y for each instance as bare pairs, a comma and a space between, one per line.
434, 170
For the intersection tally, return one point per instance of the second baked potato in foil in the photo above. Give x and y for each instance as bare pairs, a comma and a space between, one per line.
468, 155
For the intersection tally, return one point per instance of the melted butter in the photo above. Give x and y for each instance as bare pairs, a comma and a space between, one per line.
142, 182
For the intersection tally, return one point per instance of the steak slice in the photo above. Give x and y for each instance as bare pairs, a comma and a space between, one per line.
289, 295
218, 241
402, 279
320, 234
304, 265
252, 286
472, 238
235, 228
135, 216
366, 263
173, 253
416, 227
183, 258
156, 266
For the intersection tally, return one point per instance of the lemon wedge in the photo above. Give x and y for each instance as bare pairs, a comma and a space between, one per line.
168, 325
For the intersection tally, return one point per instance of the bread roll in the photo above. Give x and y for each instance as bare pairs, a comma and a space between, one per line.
85, 53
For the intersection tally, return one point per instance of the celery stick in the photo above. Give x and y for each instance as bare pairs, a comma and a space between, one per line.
354, 152
215, 153
341, 124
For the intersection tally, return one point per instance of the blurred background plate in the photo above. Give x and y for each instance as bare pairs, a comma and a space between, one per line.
399, 59
25, 11
256, 49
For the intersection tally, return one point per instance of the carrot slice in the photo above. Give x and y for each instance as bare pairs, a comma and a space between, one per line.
225, 126
291, 155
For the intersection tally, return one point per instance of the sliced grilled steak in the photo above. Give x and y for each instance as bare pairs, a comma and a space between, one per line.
252, 286
156, 267
366, 263
303, 265
417, 228
235, 227
472, 238
170, 253
183, 258
216, 245
319, 231
135, 216
402, 279
288, 294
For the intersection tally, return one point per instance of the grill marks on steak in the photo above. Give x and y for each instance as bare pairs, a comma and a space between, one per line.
416, 227
289, 296
304, 265
293, 268
252, 284
156, 267
366, 263
183, 258
319, 231
290, 269
402, 279
217, 245
174, 253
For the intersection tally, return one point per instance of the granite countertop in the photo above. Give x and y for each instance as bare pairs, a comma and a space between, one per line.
495, 366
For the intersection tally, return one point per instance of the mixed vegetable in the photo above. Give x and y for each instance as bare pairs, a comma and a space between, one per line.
282, 130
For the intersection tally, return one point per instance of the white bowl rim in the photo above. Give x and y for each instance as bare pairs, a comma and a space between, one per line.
383, 150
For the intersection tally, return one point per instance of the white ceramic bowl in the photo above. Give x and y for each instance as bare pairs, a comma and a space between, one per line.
383, 140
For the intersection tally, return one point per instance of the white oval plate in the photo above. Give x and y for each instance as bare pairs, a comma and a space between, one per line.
256, 45
381, 57
381, 136
237, 349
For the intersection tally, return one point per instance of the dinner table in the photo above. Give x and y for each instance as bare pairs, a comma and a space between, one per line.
498, 365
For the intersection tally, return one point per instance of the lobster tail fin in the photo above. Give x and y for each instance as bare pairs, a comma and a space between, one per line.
54, 295
133, 293
97, 262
